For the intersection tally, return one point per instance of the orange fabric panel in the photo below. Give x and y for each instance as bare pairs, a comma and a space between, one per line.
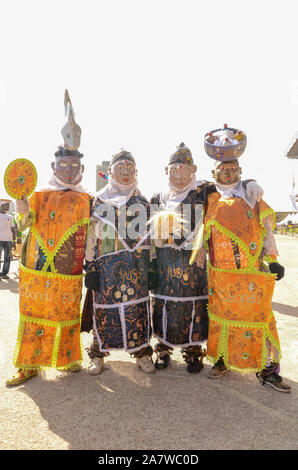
37, 345
223, 251
273, 329
31, 250
235, 215
69, 350
213, 338
241, 304
56, 212
49, 297
241, 297
245, 347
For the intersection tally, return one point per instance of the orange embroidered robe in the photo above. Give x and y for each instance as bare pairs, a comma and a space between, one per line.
51, 280
241, 321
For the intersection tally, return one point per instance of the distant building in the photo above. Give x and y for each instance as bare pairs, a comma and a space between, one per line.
100, 182
12, 207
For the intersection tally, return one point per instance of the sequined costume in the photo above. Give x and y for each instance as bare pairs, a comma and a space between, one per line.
52, 262
180, 299
120, 313
51, 279
241, 321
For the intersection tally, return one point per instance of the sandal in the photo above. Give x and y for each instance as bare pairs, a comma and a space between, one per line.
22, 376
74, 368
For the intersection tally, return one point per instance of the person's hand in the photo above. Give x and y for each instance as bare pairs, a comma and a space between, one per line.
22, 206
201, 258
278, 269
254, 191
92, 280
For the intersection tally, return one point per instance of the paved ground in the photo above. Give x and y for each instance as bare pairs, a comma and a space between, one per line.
125, 409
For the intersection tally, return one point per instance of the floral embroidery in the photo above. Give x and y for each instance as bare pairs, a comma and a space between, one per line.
21, 179
247, 334
251, 286
40, 332
124, 292
250, 215
253, 246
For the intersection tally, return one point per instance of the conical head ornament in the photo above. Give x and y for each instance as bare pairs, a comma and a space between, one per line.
71, 131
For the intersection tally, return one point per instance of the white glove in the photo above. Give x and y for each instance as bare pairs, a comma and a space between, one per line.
22, 206
254, 192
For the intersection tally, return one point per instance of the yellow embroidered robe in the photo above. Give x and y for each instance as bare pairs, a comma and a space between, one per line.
241, 321
51, 281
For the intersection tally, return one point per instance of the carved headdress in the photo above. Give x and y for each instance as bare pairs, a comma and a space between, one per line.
71, 132
182, 155
225, 144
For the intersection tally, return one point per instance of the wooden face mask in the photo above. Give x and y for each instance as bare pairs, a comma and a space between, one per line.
181, 175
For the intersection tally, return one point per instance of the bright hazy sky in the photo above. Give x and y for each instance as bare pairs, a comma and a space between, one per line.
146, 75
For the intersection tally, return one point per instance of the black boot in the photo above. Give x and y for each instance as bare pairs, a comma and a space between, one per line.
193, 356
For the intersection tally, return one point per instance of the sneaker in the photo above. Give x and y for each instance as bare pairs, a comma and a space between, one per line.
162, 361
145, 363
4, 276
218, 370
274, 380
95, 366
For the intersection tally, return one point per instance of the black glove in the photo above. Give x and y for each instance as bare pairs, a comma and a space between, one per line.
278, 269
92, 280
153, 275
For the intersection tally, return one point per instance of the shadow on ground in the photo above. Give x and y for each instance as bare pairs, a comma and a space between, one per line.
125, 409
10, 284
285, 309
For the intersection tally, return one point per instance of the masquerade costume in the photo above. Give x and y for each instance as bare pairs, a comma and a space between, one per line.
51, 267
238, 237
180, 292
120, 313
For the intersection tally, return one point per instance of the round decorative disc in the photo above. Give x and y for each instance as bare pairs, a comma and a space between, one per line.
20, 178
